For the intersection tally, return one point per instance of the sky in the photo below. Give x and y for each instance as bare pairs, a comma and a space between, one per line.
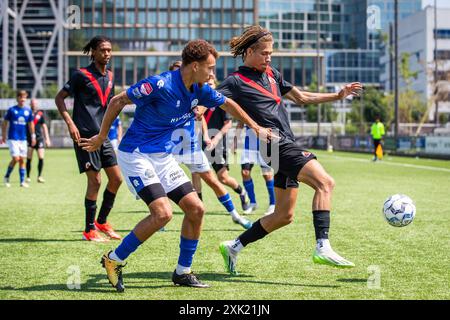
440, 3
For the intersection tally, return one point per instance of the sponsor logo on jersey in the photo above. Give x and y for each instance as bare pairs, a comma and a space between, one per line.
146, 89
183, 117
20, 121
149, 174
306, 154
160, 84
194, 103
176, 175
137, 183
136, 93
87, 165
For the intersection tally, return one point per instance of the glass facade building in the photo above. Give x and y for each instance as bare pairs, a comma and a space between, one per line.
31, 44
149, 34
352, 51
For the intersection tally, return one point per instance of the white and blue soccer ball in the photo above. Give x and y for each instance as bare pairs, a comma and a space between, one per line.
399, 210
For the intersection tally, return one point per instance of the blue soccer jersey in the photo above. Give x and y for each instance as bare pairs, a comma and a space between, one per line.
163, 104
187, 140
251, 141
18, 121
113, 132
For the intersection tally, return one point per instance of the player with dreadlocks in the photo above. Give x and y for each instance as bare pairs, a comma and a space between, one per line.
92, 88
257, 88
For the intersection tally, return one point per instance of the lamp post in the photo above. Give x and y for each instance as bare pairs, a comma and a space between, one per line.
396, 71
318, 64
436, 112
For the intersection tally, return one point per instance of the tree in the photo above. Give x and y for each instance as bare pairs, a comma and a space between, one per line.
77, 40
6, 91
412, 106
372, 103
50, 91
327, 111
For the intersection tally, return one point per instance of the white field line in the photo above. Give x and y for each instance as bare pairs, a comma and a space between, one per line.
406, 165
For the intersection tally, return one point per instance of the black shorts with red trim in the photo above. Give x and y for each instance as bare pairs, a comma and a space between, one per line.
104, 157
39, 144
291, 159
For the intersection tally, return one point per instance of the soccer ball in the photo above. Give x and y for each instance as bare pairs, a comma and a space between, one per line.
399, 210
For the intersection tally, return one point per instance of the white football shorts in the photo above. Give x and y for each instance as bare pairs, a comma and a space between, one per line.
18, 148
143, 169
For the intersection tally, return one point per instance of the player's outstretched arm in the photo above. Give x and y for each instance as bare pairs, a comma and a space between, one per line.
236, 111
303, 97
115, 106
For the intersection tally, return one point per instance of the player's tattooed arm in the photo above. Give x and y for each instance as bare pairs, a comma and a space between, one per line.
236, 111
115, 106
304, 97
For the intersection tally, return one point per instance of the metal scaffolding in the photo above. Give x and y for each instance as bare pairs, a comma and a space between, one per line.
33, 43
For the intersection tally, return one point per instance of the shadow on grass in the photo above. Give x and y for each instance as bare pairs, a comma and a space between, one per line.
176, 213
125, 232
12, 240
98, 283
352, 280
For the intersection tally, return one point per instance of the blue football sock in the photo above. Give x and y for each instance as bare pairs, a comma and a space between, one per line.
271, 190
22, 175
129, 244
187, 251
250, 188
227, 202
8, 171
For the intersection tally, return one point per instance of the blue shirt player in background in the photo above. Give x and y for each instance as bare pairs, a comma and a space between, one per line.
164, 103
115, 133
18, 117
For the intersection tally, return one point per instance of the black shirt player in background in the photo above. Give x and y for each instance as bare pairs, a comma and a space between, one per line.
42, 140
258, 88
92, 88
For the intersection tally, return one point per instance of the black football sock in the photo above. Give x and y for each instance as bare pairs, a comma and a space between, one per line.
28, 167
40, 167
91, 207
107, 204
253, 234
321, 220
238, 190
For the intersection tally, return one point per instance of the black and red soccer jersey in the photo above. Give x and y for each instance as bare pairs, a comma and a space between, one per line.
259, 94
216, 118
92, 92
38, 120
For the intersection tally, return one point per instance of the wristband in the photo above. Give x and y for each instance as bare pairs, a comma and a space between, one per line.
33, 136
